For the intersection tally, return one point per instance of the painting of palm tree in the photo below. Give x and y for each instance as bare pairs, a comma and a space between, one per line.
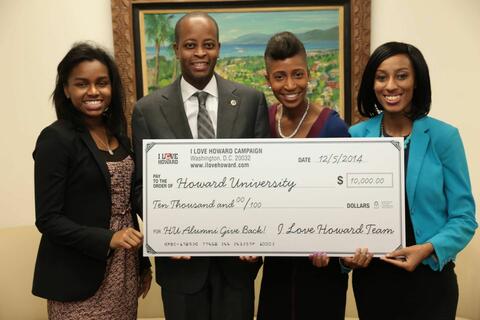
157, 30
243, 37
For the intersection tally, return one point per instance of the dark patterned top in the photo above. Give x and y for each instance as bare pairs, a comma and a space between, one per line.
117, 297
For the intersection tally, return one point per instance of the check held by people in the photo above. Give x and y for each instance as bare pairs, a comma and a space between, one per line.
272, 197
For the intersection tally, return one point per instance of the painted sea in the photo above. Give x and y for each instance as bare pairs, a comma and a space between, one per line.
232, 50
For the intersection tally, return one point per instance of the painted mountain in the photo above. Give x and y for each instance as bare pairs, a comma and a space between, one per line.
315, 35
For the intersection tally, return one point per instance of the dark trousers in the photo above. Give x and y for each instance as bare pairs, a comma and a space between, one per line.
294, 289
217, 300
383, 291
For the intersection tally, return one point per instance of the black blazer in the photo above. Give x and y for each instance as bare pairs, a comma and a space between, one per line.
242, 113
73, 209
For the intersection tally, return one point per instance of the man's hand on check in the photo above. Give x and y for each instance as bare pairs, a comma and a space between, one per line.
249, 258
319, 259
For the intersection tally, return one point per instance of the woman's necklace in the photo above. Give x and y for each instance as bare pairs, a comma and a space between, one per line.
279, 127
406, 139
107, 144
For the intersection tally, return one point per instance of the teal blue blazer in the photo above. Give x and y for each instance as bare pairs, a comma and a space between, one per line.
438, 188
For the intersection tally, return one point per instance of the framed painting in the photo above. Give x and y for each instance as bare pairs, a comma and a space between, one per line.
336, 35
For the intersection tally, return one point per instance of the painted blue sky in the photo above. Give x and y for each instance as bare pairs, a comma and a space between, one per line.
235, 25
269, 22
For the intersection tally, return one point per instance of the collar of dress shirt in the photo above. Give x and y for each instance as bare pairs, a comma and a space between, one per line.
188, 90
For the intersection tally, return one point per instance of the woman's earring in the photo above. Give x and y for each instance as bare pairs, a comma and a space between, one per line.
105, 112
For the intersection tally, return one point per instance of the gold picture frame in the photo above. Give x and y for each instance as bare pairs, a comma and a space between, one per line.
127, 36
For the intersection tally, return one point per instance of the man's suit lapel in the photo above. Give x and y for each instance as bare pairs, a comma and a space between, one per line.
174, 111
228, 105
418, 147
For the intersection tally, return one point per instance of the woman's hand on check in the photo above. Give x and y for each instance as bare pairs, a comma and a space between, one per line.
410, 257
249, 258
361, 259
181, 257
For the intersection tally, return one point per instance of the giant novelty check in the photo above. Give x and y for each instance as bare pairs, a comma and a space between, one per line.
270, 197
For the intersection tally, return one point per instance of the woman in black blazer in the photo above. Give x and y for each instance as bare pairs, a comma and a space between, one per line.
89, 265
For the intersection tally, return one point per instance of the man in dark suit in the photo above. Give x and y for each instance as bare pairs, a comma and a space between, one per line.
201, 104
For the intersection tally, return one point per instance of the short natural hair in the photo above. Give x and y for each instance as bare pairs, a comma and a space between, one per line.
87, 51
282, 46
192, 15
367, 103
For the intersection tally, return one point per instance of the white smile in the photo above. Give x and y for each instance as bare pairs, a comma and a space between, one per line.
93, 102
200, 64
291, 96
392, 99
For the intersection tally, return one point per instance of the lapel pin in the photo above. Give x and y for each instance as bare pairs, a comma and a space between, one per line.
233, 102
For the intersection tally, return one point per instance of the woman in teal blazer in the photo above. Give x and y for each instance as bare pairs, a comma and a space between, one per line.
418, 281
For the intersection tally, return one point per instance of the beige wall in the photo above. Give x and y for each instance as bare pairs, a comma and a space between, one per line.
35, 34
